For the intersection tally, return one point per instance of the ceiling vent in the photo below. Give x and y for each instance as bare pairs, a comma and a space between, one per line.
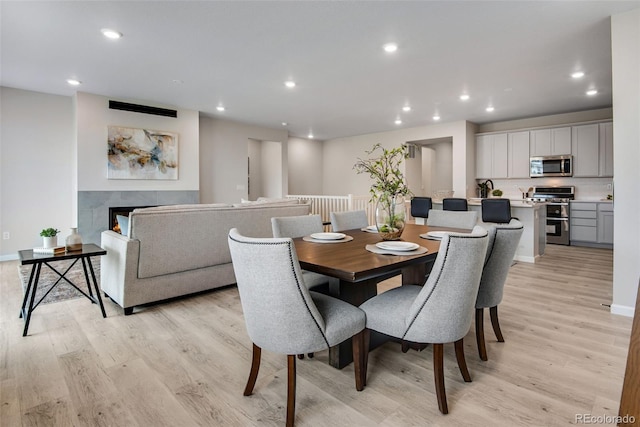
144, 109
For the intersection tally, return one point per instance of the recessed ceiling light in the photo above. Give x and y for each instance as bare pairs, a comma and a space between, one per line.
577, 74
74, 82
111, 34
490, 109
220, 108
436, 117
406, 108
310, 136
177, 81
398, 122
290, 83
464, 97
284, 123
592, 92
390, 47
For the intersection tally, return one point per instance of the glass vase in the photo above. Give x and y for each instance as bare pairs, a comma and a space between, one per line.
74, 241
391, 213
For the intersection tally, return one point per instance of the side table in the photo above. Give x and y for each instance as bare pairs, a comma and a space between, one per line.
27, 257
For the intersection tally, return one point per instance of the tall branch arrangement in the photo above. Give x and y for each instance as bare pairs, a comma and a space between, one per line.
388, 180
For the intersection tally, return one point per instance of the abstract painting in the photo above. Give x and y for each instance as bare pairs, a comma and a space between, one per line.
142, 154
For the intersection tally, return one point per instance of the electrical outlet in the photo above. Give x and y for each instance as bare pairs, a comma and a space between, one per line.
608, 186
6, 235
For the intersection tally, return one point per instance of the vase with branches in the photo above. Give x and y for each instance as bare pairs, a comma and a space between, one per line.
389, 188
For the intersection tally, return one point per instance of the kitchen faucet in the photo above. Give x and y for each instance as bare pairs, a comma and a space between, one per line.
484, 188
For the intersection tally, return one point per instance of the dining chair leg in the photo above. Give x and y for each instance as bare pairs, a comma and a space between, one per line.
357, 343
255, 367
494, 322
462, 362
438, 375
365, 355
482, 349
291, 389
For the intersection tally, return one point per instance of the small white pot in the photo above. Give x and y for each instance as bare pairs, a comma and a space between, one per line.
50, 242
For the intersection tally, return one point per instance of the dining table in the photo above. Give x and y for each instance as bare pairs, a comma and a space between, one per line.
357, 270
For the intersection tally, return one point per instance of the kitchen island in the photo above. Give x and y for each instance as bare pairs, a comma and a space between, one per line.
533, 217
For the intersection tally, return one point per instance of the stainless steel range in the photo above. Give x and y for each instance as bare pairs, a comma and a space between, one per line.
558, 212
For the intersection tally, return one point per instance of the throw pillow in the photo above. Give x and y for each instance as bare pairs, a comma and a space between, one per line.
123, 222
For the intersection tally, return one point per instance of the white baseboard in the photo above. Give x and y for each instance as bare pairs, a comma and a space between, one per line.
523, 258
622, 310
10, 257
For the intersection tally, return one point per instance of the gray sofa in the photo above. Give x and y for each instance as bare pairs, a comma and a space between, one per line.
172, 251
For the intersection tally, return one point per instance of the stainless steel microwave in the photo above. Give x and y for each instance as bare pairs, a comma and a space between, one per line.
550, 166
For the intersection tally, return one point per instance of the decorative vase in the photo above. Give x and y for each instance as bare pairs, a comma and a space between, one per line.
74, 241
391, 215
50, 242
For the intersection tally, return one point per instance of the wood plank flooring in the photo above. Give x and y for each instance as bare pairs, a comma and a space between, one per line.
185, 363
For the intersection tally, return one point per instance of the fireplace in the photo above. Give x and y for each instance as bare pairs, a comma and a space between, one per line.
120, 210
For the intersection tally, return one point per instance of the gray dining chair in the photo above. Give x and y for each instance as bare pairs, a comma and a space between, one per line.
348, 220
453, 219
300, 226
440, 311
503, 243
283, 316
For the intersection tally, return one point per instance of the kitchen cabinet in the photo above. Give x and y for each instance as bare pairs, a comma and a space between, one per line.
605, 223
550, 142
592, 224
592, 148
491, 156
518, 155
606, 149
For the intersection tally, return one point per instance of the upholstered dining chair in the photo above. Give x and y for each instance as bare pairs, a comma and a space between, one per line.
348, 220
440, 311
283, 316
465, 220
496, 210
420, 207
454, 204
300, 226
503, 243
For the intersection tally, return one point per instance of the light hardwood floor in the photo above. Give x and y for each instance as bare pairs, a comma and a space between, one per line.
185, 362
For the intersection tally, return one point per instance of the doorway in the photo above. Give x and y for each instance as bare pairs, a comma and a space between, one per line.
430, 169
264, 169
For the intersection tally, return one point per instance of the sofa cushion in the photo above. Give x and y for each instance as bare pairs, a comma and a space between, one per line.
123, 222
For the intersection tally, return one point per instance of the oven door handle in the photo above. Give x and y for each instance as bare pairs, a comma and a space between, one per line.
557, 219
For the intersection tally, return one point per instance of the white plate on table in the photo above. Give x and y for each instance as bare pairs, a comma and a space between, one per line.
398, 246
370, 229
436, 235
328, 236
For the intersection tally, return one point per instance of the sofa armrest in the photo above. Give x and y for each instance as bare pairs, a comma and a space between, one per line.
119, 265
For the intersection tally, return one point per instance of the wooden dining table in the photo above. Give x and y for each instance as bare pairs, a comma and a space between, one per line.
358, 271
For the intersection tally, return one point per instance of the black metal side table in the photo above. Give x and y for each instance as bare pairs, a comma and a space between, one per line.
27, 257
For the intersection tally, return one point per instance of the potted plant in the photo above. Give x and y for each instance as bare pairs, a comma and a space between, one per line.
49, 237
389, 188
496, 193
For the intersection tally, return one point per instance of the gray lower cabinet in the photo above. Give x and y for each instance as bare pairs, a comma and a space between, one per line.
592, 224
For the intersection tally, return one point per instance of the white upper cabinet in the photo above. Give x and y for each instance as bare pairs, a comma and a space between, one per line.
586, 150
606, 149
550, 142
592, 147
491, 156
518, 151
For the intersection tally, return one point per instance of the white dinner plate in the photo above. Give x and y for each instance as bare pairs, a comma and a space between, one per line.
328, 236
436, 234
398, 246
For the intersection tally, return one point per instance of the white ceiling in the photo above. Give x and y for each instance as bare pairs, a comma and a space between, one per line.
514, 55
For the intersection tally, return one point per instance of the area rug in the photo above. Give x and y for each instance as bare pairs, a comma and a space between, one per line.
63, 290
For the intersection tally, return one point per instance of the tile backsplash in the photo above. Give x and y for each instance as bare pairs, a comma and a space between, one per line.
586, 188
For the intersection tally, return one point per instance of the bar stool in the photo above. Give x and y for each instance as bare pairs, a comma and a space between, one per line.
454, 204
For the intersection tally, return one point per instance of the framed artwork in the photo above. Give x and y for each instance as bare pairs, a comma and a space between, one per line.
141, 154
